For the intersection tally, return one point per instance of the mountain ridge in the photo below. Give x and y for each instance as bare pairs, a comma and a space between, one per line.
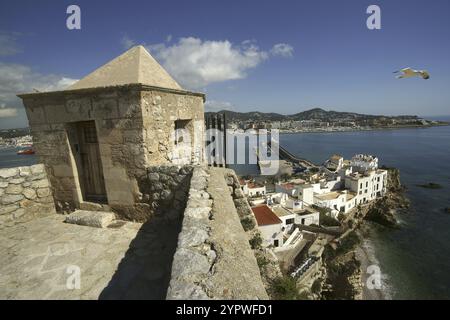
311, 114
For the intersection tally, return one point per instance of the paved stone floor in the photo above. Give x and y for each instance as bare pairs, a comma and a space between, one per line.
38, 260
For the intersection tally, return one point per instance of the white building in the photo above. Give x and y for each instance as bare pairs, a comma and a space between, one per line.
269, 225
287, 218
252, 189
367, 186
364, 162
287, 188
307, 216
305, 192
342, 201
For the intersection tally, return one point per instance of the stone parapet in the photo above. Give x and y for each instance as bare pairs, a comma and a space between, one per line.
213, 259
24, 194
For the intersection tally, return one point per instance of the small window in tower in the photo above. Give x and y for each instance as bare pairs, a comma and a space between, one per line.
180, 130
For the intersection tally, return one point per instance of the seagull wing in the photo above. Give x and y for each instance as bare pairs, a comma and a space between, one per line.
409, 72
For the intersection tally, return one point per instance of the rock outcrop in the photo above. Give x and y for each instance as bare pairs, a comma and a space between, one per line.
383, 210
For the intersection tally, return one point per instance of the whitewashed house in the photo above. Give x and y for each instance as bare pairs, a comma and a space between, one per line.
252, 189
269, 225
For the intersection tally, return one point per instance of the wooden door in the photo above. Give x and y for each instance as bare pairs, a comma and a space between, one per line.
92, 171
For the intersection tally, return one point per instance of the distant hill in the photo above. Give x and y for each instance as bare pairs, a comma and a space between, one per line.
313, 114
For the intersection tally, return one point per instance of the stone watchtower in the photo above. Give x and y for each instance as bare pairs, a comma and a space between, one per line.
98, 137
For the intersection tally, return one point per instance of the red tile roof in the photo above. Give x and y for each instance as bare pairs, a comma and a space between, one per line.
287, 186
264, 216
253, 185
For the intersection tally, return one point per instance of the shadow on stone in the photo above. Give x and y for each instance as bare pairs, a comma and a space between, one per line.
145, 270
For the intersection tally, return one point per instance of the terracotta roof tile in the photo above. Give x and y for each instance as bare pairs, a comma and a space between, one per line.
265, 216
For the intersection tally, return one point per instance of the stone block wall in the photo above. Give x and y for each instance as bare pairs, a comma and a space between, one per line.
160, 110
118, 119
195, 256
135, 128
163, 192
24, 194
213, 259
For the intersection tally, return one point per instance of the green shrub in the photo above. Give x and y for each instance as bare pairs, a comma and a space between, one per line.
263, 262
316, 287
328, 221
348, 243
256, 241
248, 223
284, 288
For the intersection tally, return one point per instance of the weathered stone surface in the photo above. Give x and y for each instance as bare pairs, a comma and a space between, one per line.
29, 193
11, 198
153, 176
205, 264
132, 261
8, 209
16, 181
164, 186
19, 213
192, 237
43, 183
18, 200
43, 192
229, 240
37, 169
3, 184
198, 213
98, 219
8, 173
14, 189
24, 171
185, 290
188, 263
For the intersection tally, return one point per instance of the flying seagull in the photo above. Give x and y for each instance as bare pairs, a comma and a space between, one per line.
409, 73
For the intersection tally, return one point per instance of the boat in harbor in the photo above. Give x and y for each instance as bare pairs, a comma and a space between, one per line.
25, 151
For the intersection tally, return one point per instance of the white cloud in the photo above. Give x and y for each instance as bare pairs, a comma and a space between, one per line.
7, 112
283, 50
214, 106
127, 42
195, 63
17, 78
8, 45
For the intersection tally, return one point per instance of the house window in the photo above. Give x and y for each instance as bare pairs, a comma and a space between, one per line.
180, 130
289, 221
275, 243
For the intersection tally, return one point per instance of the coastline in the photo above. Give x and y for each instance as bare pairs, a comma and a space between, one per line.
367, 129
355, 256
365, 254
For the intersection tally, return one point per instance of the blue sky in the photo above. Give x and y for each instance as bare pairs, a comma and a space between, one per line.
327, 58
